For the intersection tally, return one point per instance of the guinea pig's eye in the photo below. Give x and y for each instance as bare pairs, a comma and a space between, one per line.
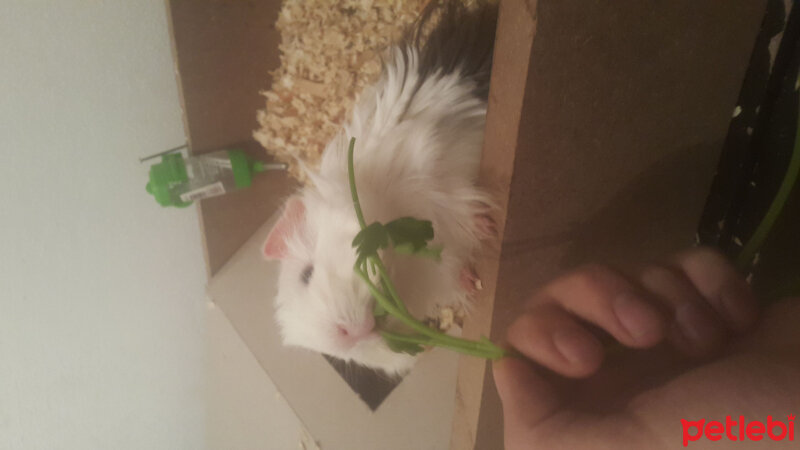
305, 276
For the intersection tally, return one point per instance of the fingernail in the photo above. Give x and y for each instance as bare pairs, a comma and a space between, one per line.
575, 346
740, 306
639, 321
695, 324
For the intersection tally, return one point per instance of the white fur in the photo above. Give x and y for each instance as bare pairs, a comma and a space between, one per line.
417, 154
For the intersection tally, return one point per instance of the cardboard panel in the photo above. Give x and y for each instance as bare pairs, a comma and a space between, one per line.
224, 51
516, 29
624, 110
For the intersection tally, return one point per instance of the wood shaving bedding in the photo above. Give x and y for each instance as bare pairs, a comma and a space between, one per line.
445, 317
330, 51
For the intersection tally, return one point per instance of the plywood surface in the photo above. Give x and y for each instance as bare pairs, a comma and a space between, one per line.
224, 51
624, 109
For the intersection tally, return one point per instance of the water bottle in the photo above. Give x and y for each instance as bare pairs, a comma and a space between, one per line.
178, 181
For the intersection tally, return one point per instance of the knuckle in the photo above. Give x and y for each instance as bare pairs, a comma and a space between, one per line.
596, 278
704, 256
521, 330
537, 300
660, 274
709, 270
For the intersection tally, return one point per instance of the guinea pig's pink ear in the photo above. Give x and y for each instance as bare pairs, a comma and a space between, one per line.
294, 213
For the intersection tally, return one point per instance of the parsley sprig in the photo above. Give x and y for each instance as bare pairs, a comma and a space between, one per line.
411, 236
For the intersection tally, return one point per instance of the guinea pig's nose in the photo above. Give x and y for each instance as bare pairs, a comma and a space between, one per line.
356, 332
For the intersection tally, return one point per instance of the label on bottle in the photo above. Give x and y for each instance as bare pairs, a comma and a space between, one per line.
211, 190
223, 163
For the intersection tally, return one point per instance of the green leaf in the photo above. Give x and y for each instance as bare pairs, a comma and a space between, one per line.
378, 310
408, 230
410, 236
434, 253
402, 346
369, 240
407, 343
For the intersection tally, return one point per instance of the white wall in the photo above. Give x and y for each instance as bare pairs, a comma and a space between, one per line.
101, 291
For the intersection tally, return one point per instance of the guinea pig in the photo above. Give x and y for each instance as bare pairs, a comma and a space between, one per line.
418, 136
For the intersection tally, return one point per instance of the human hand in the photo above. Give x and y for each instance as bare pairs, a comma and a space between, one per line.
666, 319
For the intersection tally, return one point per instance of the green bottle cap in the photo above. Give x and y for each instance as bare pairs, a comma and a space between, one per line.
170, 171
243, 168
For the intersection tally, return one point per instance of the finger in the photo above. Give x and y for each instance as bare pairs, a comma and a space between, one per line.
553, 338
527, 397
721, 286
696, 329
608, 300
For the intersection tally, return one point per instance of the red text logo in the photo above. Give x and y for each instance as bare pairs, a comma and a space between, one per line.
738, 430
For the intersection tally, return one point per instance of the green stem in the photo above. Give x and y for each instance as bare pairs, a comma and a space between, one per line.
776, 207
370, 268
387, 284
473, 350
389, 288
395, 306
483, 349
352, 176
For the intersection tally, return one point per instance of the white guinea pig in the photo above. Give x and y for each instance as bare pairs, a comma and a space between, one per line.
419, 133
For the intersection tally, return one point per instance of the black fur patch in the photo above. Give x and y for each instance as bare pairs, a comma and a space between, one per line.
462, 41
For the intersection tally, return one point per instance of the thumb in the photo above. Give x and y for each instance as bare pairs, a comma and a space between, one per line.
527, 397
